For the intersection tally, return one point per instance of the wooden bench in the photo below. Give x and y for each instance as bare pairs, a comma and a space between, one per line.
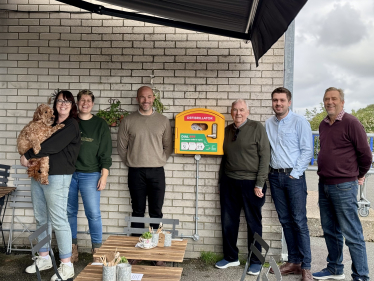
132, 230
151, 273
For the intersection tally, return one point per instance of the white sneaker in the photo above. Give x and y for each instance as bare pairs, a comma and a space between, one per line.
43, 264
66, 272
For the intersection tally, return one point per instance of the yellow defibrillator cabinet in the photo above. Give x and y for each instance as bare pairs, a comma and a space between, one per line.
199, 131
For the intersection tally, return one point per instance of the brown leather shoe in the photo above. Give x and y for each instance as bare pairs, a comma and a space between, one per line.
74, 253
289, 268
306, 275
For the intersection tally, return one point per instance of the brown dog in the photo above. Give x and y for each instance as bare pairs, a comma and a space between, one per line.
32, 135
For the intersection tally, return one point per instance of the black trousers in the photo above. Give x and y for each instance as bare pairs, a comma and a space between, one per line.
235, 195
145, 182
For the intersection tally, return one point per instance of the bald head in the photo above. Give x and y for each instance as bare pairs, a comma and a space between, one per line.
142, 89
145, 98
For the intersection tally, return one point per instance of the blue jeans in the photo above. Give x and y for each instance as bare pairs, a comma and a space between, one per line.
86, 184
339, 217
289, 196
49, 204
235, 195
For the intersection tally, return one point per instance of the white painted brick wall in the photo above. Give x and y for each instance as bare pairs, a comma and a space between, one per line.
43, 51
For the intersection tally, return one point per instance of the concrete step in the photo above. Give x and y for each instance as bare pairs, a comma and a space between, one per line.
314, 220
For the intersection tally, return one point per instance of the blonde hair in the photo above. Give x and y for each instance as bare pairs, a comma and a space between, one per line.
85, 92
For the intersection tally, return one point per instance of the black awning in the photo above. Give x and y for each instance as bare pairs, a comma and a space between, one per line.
262, 22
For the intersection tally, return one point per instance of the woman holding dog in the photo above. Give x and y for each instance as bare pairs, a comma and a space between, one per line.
50, 201
92, 169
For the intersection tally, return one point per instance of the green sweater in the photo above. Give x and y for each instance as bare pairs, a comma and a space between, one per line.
96, 148
248, 157
145, 141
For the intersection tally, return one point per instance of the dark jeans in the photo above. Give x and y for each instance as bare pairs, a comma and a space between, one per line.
289, 196
339, 217
145, 182
235, 195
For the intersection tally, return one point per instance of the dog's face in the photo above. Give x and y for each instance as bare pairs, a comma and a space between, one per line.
44, 114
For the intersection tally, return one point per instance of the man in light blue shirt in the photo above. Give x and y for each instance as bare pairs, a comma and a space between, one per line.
291, 144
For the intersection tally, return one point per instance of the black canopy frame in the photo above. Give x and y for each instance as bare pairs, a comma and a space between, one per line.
262, 22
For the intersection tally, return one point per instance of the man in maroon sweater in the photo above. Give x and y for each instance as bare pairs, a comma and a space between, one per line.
343, 161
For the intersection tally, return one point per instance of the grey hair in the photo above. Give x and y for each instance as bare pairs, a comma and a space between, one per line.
341, 92
240, 100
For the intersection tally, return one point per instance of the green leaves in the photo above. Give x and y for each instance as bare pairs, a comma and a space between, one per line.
124, 260
315, 116
113, 115
364, 115
147, 235
157, 104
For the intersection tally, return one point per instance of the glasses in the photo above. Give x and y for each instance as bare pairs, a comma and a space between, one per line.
66, 102
235, 135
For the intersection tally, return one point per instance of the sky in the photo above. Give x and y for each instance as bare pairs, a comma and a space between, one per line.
334, 47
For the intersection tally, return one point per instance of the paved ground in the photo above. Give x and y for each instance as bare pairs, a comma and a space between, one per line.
13, 266
319, 254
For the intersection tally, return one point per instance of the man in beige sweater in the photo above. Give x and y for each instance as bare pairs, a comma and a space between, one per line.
144, 145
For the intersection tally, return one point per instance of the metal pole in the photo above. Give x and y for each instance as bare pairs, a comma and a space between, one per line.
195, 236
289, 49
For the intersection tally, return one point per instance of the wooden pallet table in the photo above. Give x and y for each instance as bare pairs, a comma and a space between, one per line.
126, 246
151, 273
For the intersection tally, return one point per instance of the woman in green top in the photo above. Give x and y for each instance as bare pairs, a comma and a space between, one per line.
92, 169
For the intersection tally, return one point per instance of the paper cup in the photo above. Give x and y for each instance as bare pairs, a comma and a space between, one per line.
167, 242
155, 238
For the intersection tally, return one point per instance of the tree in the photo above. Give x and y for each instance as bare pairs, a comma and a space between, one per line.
364, 115
315, 116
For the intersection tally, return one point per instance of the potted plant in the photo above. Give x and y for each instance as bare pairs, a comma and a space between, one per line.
157, 104
146, 239
123, 270
113, 115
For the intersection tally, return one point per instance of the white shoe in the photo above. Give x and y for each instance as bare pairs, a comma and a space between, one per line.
66, 272
43, 264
